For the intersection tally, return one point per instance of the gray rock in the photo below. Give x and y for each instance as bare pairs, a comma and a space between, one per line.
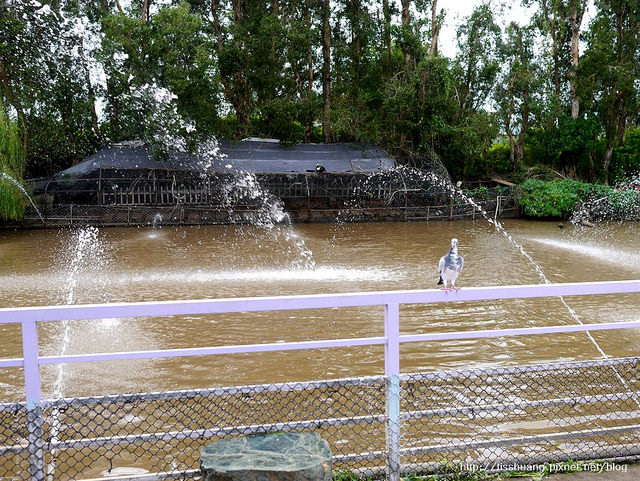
267, 457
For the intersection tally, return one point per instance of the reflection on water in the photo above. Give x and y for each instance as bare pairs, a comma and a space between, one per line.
239, 261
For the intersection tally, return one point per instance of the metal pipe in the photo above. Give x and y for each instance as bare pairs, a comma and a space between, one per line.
312, 301
392, 371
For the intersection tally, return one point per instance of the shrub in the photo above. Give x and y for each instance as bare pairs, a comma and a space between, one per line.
479, 194
557, 198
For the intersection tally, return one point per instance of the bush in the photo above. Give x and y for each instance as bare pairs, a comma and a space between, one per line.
620, 205
479, 193
557, 199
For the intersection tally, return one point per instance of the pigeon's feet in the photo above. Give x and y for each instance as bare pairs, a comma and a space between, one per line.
454, 288
445, 289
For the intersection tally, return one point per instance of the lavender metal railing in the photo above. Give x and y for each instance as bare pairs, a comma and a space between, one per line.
29, 317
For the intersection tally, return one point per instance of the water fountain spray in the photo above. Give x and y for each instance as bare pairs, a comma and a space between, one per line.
453, 190
410, 175
248, 202
85, 251
23, 190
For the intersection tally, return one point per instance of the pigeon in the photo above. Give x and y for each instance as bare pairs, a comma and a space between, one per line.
320, 168
450, 267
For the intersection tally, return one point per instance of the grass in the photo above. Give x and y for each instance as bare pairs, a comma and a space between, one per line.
456, 472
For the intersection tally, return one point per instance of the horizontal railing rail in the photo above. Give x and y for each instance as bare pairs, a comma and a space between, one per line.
29, 317
311, 301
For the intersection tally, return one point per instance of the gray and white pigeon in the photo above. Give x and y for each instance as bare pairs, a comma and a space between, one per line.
450, 267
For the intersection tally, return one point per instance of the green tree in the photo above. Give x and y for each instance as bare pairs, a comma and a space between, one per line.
560, 22
44, 75
12, 163
477, 64
516, 92
180, 55
611, 71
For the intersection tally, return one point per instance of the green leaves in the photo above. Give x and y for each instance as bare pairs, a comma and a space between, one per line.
558, 199
11, 164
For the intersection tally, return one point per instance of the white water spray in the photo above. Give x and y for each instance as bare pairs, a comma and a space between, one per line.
23, 190
455, 191
248, 202
84, 252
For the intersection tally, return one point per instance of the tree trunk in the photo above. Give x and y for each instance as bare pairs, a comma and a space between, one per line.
406, 30
216, 23
433, 48
512, 142
241, 84
356, 46
12, 97
550, 14
308, 120
575, 55
386, 13
576, 13
145, 10
326, 72
606, 161
524, 127
114, 111
90, 90
234, 89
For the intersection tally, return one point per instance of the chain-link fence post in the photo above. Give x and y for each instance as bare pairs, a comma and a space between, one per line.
35, 435
392, 371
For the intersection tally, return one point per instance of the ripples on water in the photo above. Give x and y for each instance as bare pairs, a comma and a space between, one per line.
213, 262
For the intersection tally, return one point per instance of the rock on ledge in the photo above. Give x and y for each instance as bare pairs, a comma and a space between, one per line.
267, 457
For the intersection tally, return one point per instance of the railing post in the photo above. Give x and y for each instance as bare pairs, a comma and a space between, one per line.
35, 435
392, 372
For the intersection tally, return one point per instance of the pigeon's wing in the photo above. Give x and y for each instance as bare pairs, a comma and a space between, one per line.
441, 264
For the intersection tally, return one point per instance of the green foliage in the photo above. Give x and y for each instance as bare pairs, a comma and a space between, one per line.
567, 147
497, 158
11, 164
180, 54
344, 475
558, 198
626, 158
256, 68
480, 193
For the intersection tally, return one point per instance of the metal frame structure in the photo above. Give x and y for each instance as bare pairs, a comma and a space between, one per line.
29, 317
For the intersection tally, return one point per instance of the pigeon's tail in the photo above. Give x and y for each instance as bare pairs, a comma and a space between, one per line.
440, 280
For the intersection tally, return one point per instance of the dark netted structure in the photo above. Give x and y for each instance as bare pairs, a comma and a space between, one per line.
126, 184
129, 174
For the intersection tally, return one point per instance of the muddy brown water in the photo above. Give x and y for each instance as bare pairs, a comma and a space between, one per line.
144, 264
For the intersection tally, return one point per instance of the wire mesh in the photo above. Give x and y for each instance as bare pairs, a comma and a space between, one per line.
180, 214
14, 458
165, 432
118, 197
482, 418
533, 415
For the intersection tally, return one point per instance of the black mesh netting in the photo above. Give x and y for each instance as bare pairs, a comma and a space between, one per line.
483, 417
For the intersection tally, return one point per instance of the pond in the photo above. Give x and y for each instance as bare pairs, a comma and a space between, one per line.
44, 267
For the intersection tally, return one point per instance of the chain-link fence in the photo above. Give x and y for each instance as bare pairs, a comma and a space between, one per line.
487, 418
157, 216
492, 418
